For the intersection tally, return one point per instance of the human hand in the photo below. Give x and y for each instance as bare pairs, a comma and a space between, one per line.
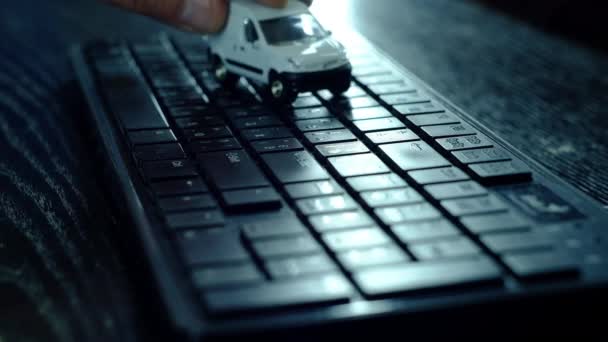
204, 16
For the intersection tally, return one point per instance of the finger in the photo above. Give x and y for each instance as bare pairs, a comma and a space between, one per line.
204, 16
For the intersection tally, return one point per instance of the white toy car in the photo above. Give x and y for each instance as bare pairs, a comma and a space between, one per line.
286, 50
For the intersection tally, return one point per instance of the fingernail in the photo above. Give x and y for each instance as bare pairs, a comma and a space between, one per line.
199, 15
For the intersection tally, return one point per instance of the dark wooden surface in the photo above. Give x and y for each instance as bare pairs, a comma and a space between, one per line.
62, 276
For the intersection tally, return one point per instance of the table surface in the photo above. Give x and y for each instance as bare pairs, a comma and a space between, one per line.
60, 271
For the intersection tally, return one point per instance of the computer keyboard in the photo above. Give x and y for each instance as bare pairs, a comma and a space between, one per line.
386, 193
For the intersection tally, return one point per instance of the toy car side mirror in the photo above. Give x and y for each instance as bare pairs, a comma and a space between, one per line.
256, 45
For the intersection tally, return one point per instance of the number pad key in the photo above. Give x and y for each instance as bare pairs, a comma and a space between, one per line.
356, 238
300, 266
327, 204
451, 248
288, 246
383, 198
381, 255
314, 189
465, 142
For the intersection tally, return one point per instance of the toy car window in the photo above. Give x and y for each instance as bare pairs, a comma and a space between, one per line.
251, 34
292, 28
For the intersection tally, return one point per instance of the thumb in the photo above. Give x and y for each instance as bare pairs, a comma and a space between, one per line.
204, 16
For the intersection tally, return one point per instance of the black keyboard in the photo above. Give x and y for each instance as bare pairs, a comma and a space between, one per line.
331, 208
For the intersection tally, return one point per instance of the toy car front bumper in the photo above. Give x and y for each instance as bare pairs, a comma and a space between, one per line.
312, 81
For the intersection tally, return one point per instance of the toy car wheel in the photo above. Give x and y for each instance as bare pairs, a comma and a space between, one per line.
221, 73
340, 88
279, 91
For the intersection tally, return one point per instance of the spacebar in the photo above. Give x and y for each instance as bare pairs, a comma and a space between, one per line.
322, 290
131, 100
423, 276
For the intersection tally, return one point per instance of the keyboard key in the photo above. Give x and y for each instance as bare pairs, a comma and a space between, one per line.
369, 70
542, 264
433, 119
236, 113
417, 231
229, 275
482, 155
381, 255
353, 91
306, 101
410, 212
516, 241
378, 124
381, 79
346, 104
384, 198
327, 204
128, 97
356, 238
367, 113
345, 220
414, 155
294, 167
453, 130
195, 219
465, 142
496, 222
215, 145
474, 205
277, 145
157, 136
310, 113
199, 122
333, 136
274, 295
179, 187
376, 182
405, 98
212, 246
501, 172
393, 136
187, 202
251, 200
286, 246
208, 133
341, 149
300, 266
419, 108
314, 189
159, 152
410, 277
358, 165
266, 133
455, 190
441, 249
160, 170
391, 88
257, 122
232, 170
271, 228
318, 124
441, 175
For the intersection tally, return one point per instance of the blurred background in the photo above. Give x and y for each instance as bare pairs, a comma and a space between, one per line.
536, 72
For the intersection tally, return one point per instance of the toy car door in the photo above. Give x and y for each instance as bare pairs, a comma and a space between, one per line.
250, 52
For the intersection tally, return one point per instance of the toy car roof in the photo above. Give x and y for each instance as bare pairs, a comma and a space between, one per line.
262, 12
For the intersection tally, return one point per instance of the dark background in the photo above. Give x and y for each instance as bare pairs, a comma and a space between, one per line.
536, 72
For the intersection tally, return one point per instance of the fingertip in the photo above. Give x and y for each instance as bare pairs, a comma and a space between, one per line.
204, 16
